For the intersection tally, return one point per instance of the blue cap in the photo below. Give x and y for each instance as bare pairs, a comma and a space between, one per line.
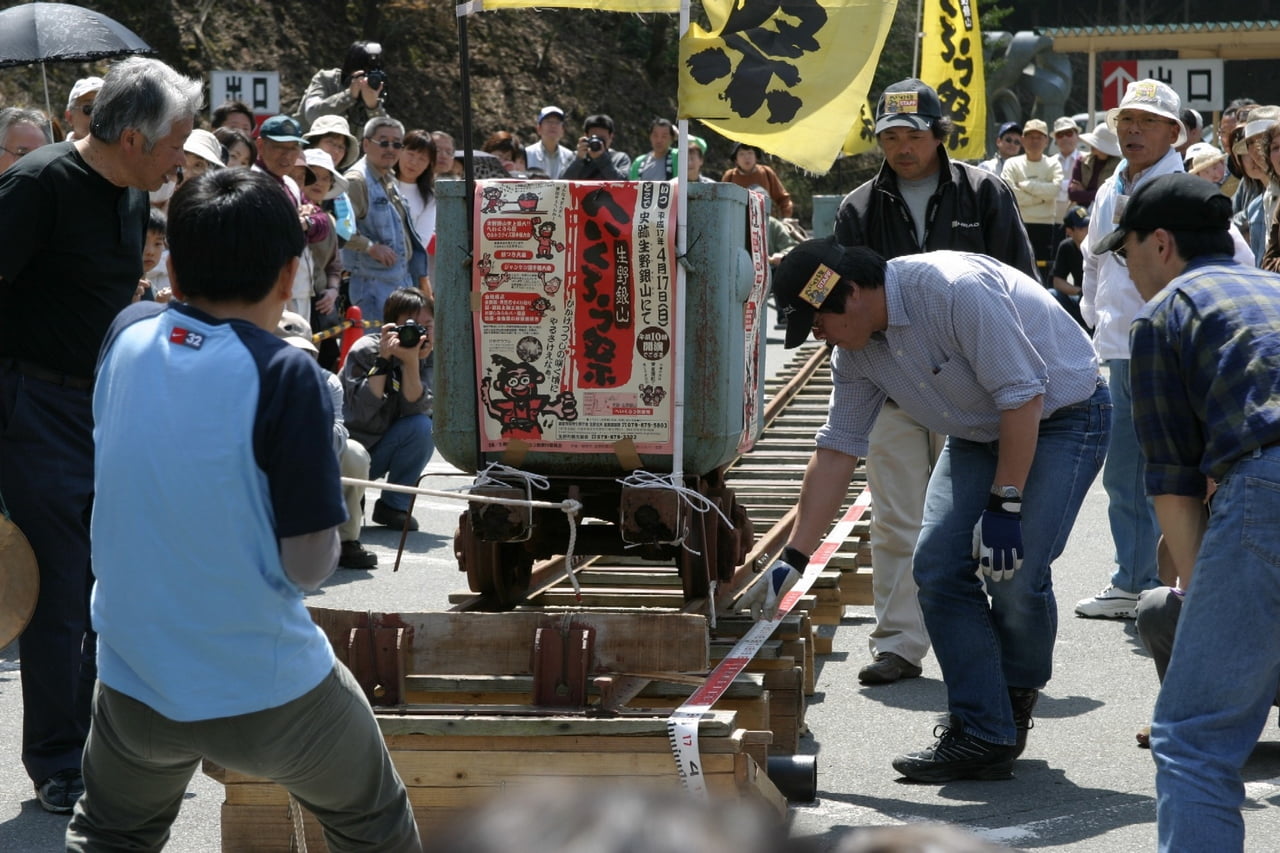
281, 129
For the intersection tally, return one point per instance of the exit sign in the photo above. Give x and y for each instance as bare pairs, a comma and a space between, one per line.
1198, 82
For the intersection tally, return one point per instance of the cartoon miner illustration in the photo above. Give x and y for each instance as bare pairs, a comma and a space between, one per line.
542, 234
492, 200
518, 413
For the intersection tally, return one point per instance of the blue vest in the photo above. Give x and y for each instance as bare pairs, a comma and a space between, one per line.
383, 223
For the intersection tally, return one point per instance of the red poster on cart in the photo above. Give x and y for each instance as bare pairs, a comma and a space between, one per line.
574, 289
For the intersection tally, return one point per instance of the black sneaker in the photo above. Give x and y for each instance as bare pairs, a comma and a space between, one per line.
957, 755
1023, 700
355, 556
58, 793
389, 516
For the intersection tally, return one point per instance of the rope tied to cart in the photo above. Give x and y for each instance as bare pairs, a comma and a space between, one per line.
695, 500
570, 507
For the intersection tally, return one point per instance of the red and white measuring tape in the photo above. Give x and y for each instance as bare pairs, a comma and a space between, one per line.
682, 725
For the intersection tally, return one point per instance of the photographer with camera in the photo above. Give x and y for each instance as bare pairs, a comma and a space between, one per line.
596, 159
386, 384
356, 91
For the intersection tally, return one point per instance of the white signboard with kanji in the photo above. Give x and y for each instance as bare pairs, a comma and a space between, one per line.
1198, 82
260, 90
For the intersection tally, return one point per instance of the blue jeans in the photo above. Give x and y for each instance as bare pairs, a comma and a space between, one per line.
986, 647
401, 454
1133, 522
1218, 690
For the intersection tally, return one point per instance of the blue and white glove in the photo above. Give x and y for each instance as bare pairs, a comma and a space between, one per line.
766, 594
997, 538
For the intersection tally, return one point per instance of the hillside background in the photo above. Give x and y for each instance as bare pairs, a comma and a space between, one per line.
583, 61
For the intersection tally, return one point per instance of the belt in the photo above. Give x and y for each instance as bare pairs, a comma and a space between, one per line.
44, 374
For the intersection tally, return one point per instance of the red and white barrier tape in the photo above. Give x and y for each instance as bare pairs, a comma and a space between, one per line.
682, 725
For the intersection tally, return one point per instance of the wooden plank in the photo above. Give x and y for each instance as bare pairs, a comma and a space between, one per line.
604, 745
713, 724
501, 643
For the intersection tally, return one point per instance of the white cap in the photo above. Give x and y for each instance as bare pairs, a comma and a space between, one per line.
1151, 96
1102, 139
550, 111
206, 146
1062, 124
295, 330
319, 157
83, 87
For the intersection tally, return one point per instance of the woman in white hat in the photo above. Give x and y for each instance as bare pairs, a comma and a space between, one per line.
332, 134
204, 154
326, 276
1095, 167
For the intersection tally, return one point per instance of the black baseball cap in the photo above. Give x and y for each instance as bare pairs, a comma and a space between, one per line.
802, 282
1176, 202
1009, 127
910, 103
1077, 217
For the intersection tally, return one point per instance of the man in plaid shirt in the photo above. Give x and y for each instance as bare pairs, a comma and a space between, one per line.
1205, 372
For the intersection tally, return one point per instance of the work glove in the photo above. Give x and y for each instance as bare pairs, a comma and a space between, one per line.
766, 594
997, 538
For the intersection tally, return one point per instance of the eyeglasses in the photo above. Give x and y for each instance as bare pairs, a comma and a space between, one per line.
87, 109
20, 153
1146, 122
1121, 255
387, 143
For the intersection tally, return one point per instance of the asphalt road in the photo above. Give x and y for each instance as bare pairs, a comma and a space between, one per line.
1082, 785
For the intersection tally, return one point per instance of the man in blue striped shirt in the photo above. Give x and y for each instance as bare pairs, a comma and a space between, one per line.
1205, 372
979, 351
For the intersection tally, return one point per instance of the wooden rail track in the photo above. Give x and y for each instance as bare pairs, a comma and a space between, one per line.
581, 686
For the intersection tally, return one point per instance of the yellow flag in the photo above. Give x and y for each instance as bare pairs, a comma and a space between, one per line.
862, 137
607, 5
952, 64
786, 75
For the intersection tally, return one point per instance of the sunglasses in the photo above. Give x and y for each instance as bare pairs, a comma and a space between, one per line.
387, 143
1121, 255
87, 109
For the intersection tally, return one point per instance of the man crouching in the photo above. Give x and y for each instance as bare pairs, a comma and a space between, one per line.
218, 502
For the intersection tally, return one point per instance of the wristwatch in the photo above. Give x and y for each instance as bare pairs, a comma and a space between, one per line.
1007, 493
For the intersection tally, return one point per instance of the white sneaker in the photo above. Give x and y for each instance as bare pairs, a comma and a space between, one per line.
1111, 603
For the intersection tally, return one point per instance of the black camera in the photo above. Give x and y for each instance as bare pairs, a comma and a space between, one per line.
411, 333
375, 77
595, 143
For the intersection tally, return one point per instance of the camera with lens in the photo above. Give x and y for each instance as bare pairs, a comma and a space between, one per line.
595, 143
375, 77
411, 333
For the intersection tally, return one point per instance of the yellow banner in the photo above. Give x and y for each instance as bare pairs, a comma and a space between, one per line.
786, 75
952, 64
606, 5
862, 136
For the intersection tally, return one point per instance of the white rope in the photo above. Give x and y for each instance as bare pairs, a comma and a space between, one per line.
696, 501
531, 480
568, 506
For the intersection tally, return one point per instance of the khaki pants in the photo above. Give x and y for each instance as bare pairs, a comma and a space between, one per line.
324, 746
899, 463
354, 463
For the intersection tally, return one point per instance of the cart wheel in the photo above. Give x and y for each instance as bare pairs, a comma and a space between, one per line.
498, 570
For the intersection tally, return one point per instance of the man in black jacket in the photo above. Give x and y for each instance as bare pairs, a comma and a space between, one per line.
920, 201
